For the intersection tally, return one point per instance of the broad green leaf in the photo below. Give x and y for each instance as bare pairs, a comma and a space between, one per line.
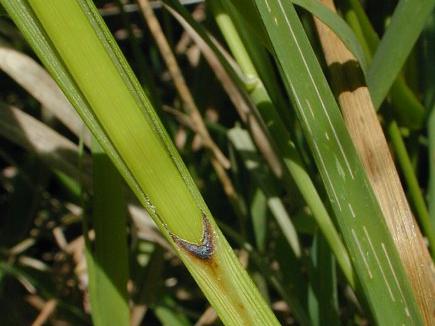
75, 45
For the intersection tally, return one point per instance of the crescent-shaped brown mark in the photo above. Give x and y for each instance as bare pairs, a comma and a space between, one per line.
205, 249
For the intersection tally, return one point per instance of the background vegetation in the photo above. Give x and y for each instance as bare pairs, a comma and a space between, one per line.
307, 196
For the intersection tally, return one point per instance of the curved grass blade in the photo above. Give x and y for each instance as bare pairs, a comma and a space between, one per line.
395, 45
338, 25
407, 109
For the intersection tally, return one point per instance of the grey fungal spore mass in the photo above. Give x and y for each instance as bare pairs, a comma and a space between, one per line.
205, 249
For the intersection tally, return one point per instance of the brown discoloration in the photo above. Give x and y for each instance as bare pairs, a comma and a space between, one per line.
206, 256
205, 249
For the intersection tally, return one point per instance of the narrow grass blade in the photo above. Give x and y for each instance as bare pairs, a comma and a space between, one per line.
73, 42
258, 209
226, 14
167, 315
322, 295
431, 191
413, 186
244, 145
428, 53
338, 25
363, 226
108, 263
396, 44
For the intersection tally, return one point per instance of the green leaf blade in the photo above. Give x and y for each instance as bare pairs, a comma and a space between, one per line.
76, 46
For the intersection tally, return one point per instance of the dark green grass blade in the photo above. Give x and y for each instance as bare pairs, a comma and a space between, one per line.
167, 315
108, 263
323, 295
428, 55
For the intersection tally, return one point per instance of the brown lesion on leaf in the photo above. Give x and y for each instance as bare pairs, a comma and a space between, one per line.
206, 256
205, 249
